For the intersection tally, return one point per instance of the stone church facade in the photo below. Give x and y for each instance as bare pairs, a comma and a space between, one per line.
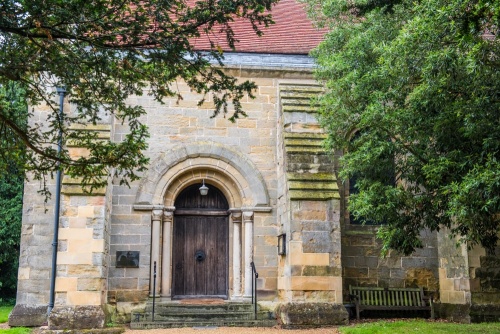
273, 200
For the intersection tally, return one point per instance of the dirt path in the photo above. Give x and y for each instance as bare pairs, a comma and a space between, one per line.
234, 330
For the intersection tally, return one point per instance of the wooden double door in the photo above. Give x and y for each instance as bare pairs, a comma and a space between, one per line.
200, 245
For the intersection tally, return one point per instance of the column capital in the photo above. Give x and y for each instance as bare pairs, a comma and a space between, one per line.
236, 217
168, 216
248, 215
156, 214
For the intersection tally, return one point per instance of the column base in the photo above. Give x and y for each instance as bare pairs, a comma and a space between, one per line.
28, 315
310, 315
76, 317
453, 312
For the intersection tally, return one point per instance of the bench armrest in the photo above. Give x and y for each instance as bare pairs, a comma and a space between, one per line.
354, 298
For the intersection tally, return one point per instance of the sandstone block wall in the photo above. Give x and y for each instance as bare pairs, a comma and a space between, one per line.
277, 150
180, 123
309, 208
364, 266
484, 284
36, 234
81, 261
454, 279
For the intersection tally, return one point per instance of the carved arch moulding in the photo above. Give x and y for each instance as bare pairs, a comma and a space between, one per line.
230, 171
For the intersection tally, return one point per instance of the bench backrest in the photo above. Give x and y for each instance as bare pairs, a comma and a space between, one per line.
388, 296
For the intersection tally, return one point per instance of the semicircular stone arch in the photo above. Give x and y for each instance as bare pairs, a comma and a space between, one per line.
233, 173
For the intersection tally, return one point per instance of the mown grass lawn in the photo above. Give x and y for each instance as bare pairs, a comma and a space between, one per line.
420, 326
377, 327
4, 312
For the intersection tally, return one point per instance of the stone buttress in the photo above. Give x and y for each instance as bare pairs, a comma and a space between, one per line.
310, 281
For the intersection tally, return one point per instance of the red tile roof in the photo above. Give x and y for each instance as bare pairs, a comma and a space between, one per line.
292, 33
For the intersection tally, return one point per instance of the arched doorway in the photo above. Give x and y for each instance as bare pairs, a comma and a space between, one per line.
200, 251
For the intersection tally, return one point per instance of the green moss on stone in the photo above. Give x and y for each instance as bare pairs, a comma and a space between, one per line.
311, 177
305, 135
321, 271
311, 185
313, 195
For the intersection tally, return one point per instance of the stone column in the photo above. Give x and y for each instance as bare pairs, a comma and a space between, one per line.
155, 250
236, 218
248, 220
166, 267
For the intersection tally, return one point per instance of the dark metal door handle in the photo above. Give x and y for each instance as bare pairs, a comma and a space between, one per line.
200, 255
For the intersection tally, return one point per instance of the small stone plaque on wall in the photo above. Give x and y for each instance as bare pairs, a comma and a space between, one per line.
127, 259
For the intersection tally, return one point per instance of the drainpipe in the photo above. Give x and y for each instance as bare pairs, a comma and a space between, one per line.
61, 91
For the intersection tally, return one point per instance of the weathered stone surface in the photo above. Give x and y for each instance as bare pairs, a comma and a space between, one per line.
76, 317
299, 315
485, 313
453, 312
320, 271
316, 242
114, 330
28, 315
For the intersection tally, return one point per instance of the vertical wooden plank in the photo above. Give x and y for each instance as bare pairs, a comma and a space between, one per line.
200, 266
178, 253
223, 255
209, 263
175, 259
193, 275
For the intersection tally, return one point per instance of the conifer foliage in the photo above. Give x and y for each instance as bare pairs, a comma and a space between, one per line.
103, 52
413, 90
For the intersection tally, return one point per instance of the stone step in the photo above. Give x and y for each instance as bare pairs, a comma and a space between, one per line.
203, 324
205, 316
200, 317
198, 308
173, 314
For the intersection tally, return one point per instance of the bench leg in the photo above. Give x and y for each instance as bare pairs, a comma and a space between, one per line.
357, 312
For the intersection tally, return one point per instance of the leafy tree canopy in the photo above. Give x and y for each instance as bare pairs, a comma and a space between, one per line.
102, 52
11, 199
419, 82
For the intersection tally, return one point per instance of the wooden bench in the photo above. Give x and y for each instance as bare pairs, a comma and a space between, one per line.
404, 299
